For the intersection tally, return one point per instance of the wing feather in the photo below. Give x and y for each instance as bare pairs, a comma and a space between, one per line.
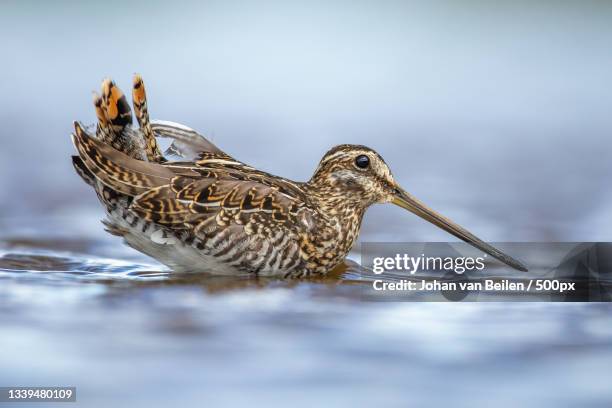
201, 204
118, 170
188, 143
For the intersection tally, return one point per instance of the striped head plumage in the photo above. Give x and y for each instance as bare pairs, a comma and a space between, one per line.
198, 209
355, 176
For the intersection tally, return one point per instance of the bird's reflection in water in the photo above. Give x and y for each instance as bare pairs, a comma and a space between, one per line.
345, 273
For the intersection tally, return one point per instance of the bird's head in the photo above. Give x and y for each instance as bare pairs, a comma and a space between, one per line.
354, 176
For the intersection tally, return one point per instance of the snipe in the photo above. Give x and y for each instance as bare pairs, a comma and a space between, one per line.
206, 211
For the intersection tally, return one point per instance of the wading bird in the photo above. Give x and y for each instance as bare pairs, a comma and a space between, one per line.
208, 212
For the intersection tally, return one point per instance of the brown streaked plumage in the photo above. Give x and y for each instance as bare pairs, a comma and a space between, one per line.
208, 212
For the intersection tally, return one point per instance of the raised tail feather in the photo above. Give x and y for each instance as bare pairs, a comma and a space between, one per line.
125, 160
115, 120
114, 126
139, 99
104, 131
115, 104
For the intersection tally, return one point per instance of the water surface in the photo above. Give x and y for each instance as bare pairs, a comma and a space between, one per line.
78, 308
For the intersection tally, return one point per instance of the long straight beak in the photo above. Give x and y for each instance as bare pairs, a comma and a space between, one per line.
405, 200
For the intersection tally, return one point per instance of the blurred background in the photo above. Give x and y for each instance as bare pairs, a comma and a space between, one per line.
496, 114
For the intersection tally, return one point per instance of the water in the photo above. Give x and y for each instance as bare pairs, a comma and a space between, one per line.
83, 310
497, 115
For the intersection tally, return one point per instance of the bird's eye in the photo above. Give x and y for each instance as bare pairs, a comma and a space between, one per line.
362, 161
